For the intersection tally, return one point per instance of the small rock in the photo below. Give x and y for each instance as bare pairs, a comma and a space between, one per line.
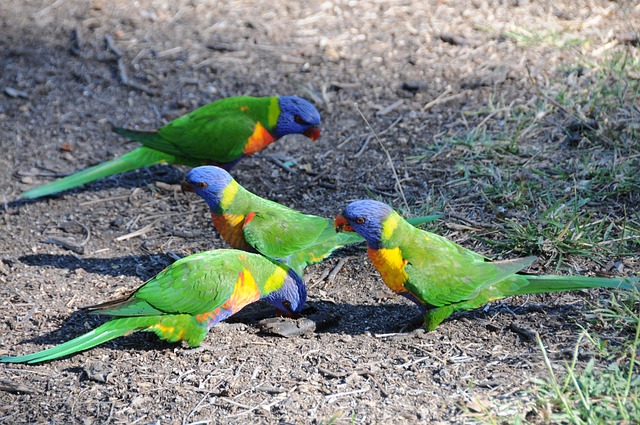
412, 86
287, 327
97, 371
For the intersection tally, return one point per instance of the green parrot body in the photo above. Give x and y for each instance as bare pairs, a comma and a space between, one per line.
441, 276
249, 222
186, 299
222, 133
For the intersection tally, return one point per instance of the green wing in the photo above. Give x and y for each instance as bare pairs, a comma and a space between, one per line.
280, 232
192, 285
441, 272
327, 242
215, 132
217, 138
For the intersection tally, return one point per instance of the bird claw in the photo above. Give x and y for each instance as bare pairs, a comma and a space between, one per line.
194, 350
415, 322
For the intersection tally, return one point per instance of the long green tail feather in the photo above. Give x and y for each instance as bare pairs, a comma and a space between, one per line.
138, 158
540, 284
108, 331
137, 135
534, 285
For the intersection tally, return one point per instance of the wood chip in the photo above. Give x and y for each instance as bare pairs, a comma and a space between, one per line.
11, 92
526, 333
458, 40
15, 387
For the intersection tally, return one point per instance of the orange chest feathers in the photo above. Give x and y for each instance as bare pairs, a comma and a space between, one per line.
259, 140
230, 228
390, 265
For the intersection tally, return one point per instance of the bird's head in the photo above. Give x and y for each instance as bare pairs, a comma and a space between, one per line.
297, 116
290, 298
365, 217
209, 182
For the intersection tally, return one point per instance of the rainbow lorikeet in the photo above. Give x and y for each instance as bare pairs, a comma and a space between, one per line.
222, 133
441, 276
187, 298
249, 222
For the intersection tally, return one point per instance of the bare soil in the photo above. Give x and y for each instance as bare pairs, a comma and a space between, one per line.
71, 68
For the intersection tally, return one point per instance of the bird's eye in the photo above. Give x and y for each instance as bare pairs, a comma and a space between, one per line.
287, 304
202, 185
298, 119
360, 220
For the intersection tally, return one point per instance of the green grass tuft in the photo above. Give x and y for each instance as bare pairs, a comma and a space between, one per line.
559, 172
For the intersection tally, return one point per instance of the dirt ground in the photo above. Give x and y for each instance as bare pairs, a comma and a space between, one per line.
71, 68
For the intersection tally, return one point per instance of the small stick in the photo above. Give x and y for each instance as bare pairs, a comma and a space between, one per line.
327, 185
112, 46
137, 233
142, 88
323, 275
330, 374
364, 146
110, 414
388, 129
526, 333
122, 72
235, 403
394, 105
113, 198
78, 249
442, 99
332, 397
393, 168
319, 176
75, 42
474, 223
279, 163
325, 98
340, 85
87, 230
173, 255
13, 387
317, 99
168, 187
412, 362
344, 142
337, 269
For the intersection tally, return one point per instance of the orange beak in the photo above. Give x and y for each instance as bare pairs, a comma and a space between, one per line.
341, 224
186, 186
312, 133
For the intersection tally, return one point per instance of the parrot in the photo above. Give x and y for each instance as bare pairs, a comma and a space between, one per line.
442, 277
187, 298
222, 133
249, 222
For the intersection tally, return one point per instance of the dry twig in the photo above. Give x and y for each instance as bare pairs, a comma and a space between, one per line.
393, 168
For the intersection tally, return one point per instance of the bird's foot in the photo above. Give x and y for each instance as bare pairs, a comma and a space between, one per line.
195, 350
